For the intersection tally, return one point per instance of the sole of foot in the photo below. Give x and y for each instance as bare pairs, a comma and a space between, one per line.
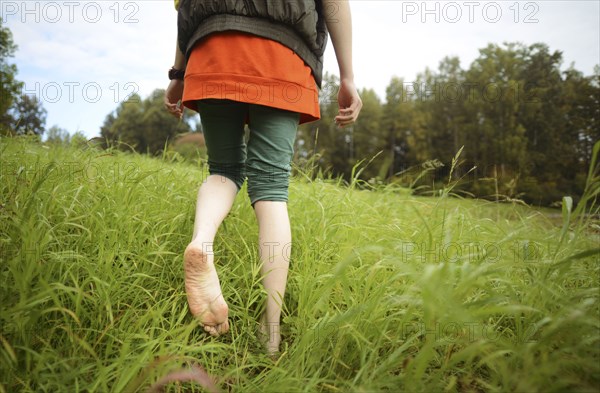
203, 290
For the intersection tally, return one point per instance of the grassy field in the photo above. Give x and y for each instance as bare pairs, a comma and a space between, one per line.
387, 291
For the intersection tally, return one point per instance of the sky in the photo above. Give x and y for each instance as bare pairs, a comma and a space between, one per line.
82, 58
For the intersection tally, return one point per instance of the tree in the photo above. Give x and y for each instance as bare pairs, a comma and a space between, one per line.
366, 137
9, 86
143, 125
320, 140
58, 136
332, 141
403, 139
125, 125
442, 97
28, 116
78, 139
581, 108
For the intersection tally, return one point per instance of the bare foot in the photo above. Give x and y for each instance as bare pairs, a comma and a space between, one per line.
270, 336
204, 290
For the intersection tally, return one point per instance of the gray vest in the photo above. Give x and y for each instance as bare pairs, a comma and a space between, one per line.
297, 24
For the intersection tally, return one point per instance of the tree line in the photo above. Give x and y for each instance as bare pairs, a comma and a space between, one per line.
524, 129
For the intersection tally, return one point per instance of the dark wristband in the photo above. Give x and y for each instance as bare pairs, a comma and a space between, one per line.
174, 73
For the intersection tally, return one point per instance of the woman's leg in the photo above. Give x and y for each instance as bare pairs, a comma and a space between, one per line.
270, 151
223, 125
275, 246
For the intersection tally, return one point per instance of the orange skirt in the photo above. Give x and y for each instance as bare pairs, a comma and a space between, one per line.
242, 67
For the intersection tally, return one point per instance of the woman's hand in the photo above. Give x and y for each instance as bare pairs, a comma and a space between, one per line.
173, 96
349, 103
339, 25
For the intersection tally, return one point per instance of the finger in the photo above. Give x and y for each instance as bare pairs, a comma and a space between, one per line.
173, 109
345, 124
347, 112
346, 121
344, 118
176, 114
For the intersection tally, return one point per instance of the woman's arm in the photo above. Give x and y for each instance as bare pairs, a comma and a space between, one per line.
174, 91
179, 57
339, 23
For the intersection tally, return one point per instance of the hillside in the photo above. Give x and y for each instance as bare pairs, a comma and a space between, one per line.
387, 291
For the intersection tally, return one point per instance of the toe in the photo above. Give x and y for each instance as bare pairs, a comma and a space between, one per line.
225, 327
210, 330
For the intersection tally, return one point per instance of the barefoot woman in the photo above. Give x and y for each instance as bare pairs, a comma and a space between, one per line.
254, 62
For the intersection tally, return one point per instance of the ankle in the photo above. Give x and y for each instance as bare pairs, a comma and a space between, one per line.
202, 244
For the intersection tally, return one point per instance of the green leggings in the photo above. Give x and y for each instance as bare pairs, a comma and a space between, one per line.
265, 161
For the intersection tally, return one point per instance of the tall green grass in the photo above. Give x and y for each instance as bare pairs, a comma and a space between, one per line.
387, 291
